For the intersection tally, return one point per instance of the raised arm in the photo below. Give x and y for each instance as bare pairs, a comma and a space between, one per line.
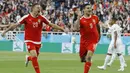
46, 21
103, 25
11, 27
56, 26
77, 22
4, 25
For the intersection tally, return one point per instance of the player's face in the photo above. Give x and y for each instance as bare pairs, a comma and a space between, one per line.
88, 10
37, 9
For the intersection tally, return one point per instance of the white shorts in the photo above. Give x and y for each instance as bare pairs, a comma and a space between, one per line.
112, 50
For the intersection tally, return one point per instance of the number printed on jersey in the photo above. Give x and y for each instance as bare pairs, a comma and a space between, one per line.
91, 25
94, 21
35, 24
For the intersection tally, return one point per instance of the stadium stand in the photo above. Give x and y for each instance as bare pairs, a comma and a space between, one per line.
62, 12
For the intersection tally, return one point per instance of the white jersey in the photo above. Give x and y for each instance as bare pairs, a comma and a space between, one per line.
115, 28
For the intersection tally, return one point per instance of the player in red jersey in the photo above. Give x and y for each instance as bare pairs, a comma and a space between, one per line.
33, 29
89, 28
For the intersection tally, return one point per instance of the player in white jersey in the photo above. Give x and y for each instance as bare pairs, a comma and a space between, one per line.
115, 45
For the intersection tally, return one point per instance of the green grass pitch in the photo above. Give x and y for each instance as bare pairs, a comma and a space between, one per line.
13, 62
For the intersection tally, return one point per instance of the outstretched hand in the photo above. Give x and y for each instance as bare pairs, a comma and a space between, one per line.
3, 34
103, 25
78, 12
66, 30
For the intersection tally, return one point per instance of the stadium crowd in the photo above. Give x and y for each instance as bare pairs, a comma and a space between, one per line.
62, 12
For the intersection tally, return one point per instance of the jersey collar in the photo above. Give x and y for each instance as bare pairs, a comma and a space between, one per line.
88, 17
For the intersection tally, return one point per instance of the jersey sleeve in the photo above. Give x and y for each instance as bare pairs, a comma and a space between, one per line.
22, 20
46, 21
110, 30
96, 19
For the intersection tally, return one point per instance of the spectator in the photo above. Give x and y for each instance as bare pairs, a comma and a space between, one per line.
62, 12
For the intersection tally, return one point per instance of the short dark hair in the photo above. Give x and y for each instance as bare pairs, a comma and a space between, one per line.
86, 5
33, 5
114, 18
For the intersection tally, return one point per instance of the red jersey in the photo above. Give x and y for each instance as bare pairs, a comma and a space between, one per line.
88, 29
33, 27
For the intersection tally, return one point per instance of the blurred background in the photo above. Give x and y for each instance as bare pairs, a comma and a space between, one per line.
62, 13
59, 51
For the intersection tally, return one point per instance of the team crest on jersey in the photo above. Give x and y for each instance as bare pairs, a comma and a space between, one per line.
91, 25
39, 20
94, 21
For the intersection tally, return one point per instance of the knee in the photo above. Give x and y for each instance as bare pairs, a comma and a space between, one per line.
33, 54
89, 58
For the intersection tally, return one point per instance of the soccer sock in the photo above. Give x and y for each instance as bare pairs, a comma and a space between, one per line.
35, 64
121, 61
112, 58
106, 60
87, 67
30, 58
